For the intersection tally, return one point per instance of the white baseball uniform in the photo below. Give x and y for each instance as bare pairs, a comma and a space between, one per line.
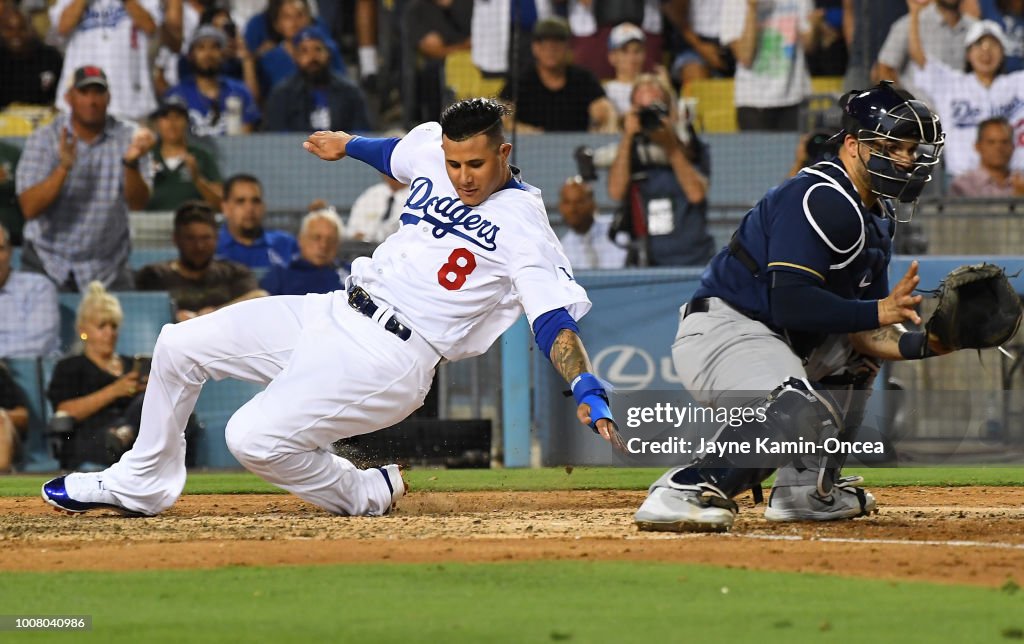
457, 276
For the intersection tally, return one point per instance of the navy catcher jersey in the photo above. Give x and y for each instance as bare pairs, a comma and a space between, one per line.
813, 224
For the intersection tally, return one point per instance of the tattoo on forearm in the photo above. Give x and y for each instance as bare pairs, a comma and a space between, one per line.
568, 356
887, 333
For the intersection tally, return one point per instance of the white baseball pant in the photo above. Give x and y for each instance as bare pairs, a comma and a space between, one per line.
330, 372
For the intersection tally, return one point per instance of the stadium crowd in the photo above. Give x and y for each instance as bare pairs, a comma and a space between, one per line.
111, 107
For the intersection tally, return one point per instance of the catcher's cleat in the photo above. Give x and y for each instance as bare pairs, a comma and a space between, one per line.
88, 495
686, 508
803, 503
396, 483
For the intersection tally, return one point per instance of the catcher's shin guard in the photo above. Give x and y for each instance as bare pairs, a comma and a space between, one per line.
796, 415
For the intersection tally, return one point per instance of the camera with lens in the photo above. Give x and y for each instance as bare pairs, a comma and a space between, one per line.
651, 116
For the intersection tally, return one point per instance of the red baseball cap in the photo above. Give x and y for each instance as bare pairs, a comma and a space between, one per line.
90, 75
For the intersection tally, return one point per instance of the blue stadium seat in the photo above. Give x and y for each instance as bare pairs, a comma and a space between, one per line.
142, 256
219, 400
29, 374
16, 257
145, 313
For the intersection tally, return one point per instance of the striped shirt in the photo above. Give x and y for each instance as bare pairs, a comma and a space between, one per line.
84, 232
29, 318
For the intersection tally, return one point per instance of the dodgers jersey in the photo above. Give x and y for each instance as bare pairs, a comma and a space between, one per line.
813, 224
459, 275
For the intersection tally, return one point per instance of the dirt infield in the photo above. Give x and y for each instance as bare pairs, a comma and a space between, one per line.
953, 535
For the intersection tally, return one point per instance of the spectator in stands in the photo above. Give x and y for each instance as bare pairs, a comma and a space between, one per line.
258, 18
993, 176
662, 180
590, 24
626, 54
812, 148
314, 98
1010, 16
10, 212
29, 317
704, 55
963, 99
181, 19
376, 213
769, 40
239, 63
866, 24
277, 64
100, 390
13, 419
587, 244
315, 269
114, 36
28, 67
217, 104
242, 238
182, 171
77, 179
495, 28
555, 96
436, 28
943, 29
198, 283
827, 54
366, 16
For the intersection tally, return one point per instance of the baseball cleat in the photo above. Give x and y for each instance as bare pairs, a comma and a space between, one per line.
686, 508
803, 503
55, 493
396, 483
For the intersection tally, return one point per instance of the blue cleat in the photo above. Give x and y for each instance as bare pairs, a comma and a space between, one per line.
56, 494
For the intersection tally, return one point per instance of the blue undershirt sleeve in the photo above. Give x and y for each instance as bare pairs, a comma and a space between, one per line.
374, 152
547, 327
799, 303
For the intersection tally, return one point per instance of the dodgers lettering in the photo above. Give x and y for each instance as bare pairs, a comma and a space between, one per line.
461, 218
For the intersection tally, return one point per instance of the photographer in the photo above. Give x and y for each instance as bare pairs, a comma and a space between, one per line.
660, 174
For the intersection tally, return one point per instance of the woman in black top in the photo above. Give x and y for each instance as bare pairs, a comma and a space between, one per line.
100, 390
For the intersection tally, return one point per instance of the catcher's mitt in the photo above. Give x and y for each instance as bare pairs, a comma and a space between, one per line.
978, 308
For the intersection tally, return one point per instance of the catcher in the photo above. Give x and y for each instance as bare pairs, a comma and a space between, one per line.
794, 316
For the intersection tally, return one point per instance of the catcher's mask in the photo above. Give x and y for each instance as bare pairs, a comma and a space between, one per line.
885, 119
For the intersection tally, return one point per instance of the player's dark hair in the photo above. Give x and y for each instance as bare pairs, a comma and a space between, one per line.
472, 116
240, 178
194, 212
995, 120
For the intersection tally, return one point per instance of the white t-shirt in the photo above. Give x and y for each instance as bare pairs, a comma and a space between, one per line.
376, 212
593, 249
962, 102
618, 92
459, 275
778, 76
167, 60
106, 38
706, 17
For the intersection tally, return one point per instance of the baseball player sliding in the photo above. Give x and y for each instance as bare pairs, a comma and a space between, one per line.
474, 251
798, 305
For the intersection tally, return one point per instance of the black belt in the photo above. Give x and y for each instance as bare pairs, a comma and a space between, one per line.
361, 301
697, 305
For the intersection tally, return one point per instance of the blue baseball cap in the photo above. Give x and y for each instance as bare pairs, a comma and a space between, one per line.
310, 33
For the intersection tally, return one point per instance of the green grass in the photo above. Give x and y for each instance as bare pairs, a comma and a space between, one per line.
581, 478
618, 602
